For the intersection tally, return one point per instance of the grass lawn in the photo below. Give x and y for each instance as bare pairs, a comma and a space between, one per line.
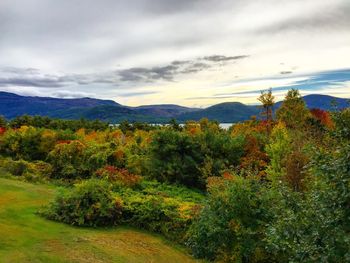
26, 237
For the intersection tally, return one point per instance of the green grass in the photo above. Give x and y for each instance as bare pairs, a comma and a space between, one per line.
27, 237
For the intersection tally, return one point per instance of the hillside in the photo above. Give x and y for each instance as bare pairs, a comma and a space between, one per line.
12, 105
26, 237
223, 112
325, 102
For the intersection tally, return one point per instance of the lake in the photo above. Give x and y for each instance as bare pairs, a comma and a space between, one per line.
223, 125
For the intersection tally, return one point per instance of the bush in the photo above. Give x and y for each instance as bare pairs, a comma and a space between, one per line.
231, 226
90, 203
17, 168
315, 227
30, 171
165, 215
119, 177
190, 158
175, 158
23, 143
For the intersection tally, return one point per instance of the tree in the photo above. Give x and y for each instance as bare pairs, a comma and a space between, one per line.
231, 226
267, 100
3, 122
314, 226
278, 150
293, 111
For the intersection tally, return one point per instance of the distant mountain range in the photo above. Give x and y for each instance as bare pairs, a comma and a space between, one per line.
12, 105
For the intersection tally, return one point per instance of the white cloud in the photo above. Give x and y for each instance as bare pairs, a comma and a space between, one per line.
87, 40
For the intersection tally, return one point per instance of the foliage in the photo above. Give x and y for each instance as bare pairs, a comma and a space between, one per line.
278, 149
293, 111
90, 203
159, 214
67, 160
342, 124
30, 171
175, 157
22, 144
231, 226
76, 159
120, 177
3, 122
323, 117
295, 170
289, 201
189, 158
17, 168
315, 227
161, 208
255, 159
29, 238
267, 100
49, 123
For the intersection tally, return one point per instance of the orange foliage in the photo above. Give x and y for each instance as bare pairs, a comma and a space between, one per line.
295, 171
323, 116
216, 182
254, 158
119, 154
64, 141
118, 175
251, 126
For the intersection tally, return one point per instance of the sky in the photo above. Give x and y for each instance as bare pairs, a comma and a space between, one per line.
189, 52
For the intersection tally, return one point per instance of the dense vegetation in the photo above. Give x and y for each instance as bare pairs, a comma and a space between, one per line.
269, 190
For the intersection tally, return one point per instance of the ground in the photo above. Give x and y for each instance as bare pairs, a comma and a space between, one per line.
27, 237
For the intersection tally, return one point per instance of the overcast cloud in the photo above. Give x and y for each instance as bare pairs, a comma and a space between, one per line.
163, 51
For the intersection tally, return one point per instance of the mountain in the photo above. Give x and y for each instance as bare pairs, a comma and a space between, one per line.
166, 110
223, 112
325, 102
12, 105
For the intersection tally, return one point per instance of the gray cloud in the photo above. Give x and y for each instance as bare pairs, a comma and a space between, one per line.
66, 94
136, 93
335, 17
31, 82
174, 69
286, 72
218, 58
30, 77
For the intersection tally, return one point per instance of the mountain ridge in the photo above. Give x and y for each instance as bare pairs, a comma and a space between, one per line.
12, 105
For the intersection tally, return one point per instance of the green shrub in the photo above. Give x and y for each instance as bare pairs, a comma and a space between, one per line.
176, 158
315, 227
189, 159
17, 168
90, 203
72, 160
156, 213
231, 226
30, 171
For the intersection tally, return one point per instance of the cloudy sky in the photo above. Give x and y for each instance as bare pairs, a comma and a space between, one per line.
188, 52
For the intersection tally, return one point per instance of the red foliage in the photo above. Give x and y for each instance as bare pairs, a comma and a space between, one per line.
2, 130
254, 158
119, 175
323, 116
64, 142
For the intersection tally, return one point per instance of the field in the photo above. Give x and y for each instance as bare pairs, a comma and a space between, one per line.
26, 237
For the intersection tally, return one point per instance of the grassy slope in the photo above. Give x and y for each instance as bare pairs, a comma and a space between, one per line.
26, 237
